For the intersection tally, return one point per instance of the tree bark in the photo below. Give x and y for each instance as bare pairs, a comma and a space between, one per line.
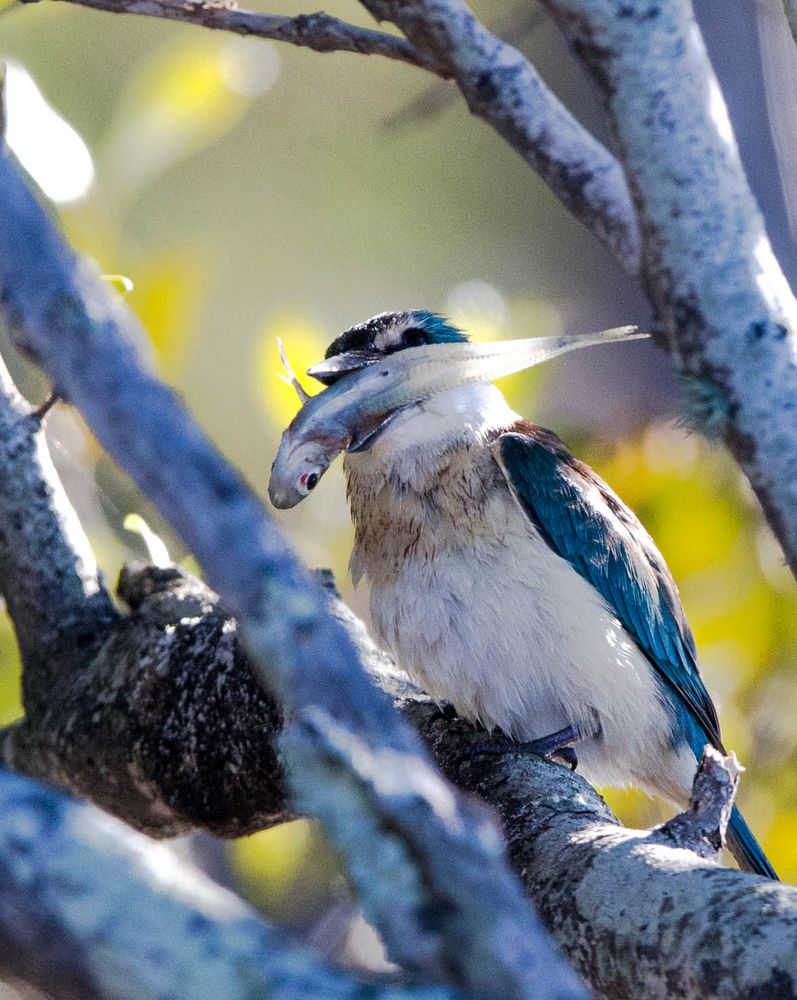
412, 844
639, 913
91, 910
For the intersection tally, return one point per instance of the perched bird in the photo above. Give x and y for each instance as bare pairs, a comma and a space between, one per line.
509, 580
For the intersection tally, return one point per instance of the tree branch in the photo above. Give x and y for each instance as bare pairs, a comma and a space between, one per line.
163, 724
319, 32
498, 83
412, 845
636, 916
501, 86
53, 589
627, 906
91, 910
723, 307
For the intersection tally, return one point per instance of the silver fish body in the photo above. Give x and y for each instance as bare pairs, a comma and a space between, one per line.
350, 413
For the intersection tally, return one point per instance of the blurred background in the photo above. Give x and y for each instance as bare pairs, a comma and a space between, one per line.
250, 191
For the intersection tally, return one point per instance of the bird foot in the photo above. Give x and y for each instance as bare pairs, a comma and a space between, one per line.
557, 746
446, 712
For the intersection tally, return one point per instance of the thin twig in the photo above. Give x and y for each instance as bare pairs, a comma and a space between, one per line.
319, 31
499, 84
44, 408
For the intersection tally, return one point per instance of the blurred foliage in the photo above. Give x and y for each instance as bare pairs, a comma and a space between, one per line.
251, 193
287, 870
304, 344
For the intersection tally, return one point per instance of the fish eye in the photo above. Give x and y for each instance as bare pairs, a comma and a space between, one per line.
312, 481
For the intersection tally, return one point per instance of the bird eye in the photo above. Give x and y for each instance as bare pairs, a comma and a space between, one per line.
414, 337
312, 481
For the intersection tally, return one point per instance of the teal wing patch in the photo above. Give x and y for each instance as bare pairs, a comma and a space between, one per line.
587, 524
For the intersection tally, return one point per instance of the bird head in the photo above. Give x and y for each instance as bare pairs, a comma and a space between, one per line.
387, 333
384, 378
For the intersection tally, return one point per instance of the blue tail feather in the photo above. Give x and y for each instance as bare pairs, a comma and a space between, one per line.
746, 849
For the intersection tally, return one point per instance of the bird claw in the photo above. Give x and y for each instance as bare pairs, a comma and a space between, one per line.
556, 746
566, 756
446, 712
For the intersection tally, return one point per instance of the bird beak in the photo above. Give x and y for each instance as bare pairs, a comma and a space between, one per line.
331, 369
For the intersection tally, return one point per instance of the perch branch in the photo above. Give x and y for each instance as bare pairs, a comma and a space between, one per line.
636, 916
91, 911
412, 845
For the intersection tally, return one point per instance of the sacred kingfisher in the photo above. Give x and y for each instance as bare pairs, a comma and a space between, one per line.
509, 580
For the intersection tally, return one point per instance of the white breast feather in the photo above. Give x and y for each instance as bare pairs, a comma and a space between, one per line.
482, 613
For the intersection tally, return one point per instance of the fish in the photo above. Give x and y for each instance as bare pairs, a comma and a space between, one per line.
350, 414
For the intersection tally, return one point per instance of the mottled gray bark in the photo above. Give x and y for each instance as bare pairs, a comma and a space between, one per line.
637, 917
640, 913
413, 846
90, 910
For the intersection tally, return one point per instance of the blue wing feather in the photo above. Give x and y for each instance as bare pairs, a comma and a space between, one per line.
589, 526
603, 540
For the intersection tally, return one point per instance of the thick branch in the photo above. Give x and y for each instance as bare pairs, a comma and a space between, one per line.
502, 87
723, 306
164, 724
91, 911
411, 844
48, 574
627, 906
637, 917
319, 32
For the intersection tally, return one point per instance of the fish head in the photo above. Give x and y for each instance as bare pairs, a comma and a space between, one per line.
300, 463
